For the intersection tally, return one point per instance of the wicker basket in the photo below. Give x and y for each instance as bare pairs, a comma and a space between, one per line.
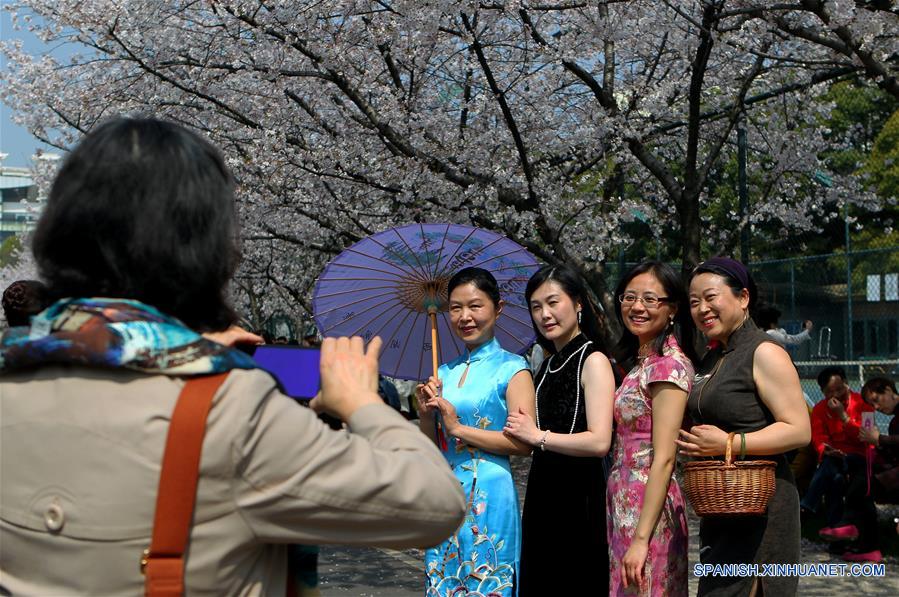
728, 488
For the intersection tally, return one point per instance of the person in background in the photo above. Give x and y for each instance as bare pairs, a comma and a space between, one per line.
311, 337
535, 357
880, 392
139, 264
571, 435
388, 393
747, 385
647, 520
406, 390
883, 485
22, 300
767, 317
472, 397
835, 428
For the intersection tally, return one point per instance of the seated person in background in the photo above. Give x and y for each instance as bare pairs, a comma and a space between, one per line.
863, 489
767, 317
835, 425
22, 300
836, 422
880, 393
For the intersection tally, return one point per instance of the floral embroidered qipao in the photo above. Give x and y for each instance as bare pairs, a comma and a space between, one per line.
481, 559
666, 563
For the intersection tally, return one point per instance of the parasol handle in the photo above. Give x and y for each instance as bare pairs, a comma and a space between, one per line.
432, 312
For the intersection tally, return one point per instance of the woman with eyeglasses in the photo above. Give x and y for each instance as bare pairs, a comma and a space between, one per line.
564, 548
647, 524
750, 387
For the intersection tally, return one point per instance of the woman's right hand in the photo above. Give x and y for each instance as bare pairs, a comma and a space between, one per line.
426, 394
349, 376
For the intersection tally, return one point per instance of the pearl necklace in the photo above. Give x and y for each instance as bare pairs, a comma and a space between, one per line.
577, 395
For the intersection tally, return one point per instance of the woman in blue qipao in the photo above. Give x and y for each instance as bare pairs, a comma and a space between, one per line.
472, 396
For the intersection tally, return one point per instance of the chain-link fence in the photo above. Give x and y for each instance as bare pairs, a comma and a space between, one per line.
852, 299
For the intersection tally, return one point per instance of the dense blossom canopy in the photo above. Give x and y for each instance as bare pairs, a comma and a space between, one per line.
551, 122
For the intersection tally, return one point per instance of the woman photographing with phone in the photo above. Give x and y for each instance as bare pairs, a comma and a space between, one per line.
137, 244
472, 397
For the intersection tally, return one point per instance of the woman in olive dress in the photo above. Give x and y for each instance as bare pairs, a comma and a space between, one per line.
748, 385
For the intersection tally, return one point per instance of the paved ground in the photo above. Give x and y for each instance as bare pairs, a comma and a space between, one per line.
370, 572
388, 573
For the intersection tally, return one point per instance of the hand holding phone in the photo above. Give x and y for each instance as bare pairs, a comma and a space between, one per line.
867, 420
869, 432
349, 376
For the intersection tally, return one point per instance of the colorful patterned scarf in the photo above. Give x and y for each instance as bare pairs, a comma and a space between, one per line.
115, 333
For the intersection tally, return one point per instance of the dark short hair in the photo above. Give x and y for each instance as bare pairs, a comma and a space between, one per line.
143, 209
571, 284
825, 374
676, 292
877, 385
731, 280
766, 316
482, 280
22, 300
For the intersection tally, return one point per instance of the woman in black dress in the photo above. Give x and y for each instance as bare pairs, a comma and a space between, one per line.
564, 550
746, 384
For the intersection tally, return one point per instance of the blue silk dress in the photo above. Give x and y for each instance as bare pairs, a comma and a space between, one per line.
482, 557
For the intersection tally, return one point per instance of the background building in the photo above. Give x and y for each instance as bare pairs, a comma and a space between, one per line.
20, 204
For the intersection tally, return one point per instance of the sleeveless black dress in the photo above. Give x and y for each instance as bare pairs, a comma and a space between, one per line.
724, 394
564, 549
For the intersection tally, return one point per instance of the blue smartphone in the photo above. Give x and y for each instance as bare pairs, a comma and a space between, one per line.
295, 367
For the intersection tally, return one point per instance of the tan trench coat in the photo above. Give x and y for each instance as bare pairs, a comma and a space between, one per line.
80, 453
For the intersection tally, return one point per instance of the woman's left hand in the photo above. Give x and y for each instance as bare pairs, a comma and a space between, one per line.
448, 413
633, 562
703, 440
521, 426
234, 335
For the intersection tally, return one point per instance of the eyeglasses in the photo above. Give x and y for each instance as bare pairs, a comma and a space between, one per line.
650, 301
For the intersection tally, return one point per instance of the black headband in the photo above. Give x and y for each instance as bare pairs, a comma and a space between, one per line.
732, 267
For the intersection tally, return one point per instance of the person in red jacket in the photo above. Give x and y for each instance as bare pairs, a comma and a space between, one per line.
836, 421
883, 485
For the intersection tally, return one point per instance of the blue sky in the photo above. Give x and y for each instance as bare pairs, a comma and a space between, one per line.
15, 140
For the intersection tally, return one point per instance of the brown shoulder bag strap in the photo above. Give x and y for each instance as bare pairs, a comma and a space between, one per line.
163, 563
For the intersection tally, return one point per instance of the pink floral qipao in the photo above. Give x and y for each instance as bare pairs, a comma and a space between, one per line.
666, 563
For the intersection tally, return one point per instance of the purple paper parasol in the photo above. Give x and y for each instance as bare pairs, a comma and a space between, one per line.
384, 284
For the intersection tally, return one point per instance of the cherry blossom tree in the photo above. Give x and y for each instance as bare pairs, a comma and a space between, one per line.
550, 122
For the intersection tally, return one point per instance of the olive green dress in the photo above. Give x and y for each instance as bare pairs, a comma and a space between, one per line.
724, 394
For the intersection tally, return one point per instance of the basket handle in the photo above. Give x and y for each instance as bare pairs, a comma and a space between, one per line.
729, 449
